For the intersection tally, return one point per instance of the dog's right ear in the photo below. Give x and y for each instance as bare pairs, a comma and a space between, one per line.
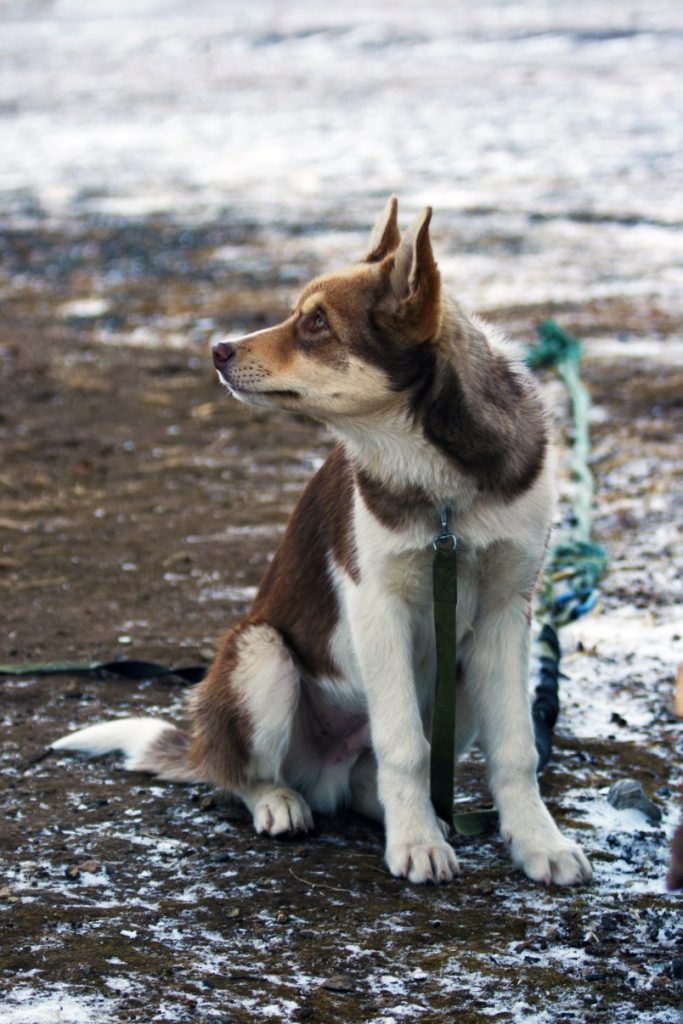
415, 283
385, 237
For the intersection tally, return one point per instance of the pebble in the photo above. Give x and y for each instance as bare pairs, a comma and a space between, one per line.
223, 857
90, 866
339, 983
526, 944
628, 793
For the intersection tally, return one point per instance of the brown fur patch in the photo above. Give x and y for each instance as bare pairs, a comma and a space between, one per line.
221, 727
296, 596
169, 757
394, 508
275, 349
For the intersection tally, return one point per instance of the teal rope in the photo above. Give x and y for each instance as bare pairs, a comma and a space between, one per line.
576, 565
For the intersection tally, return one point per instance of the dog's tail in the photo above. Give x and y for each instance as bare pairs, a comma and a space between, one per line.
149, 745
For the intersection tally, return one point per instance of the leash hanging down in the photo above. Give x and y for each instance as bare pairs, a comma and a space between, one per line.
442, 754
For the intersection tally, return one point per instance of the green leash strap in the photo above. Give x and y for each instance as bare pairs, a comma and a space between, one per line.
442, 764
442, 753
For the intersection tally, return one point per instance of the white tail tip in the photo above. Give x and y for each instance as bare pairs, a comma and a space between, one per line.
132, 736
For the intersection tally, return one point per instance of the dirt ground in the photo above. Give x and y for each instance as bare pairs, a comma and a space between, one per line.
139, 509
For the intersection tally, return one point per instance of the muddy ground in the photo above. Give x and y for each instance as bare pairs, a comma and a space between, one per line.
139, 509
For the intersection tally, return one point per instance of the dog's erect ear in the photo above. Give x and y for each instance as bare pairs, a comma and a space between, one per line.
416, 283
385, 237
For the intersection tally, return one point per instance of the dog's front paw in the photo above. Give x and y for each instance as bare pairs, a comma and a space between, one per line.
281, 811
423, 862
551, 859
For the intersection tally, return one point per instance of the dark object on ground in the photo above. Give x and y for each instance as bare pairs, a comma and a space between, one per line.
674, 880
628, 793
546, 705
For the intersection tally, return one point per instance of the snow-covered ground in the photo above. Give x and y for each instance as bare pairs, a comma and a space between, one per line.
557, 121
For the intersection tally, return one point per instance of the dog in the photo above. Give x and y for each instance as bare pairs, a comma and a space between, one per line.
322, 696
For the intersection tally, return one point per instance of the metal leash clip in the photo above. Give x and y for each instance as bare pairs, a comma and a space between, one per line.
444, 540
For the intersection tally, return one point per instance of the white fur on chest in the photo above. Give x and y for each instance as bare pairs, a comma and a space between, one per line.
394, 566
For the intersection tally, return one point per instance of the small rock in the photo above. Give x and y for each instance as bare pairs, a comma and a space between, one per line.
90, 866
610, 922
5, 892
233, 913
72, 872
177, 559
282, 917
628, 793
222, 858
207, 803
339, 983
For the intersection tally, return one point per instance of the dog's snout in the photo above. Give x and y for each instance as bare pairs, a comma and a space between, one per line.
222, 352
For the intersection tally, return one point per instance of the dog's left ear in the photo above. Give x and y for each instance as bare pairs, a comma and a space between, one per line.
385, 237
415, 282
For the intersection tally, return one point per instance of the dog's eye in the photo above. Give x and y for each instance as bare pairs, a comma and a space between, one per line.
315, 322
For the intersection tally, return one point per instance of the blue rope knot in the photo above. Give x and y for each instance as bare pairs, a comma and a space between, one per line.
572, 576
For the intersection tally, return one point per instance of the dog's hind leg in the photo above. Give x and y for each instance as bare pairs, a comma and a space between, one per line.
243, 714
277, 810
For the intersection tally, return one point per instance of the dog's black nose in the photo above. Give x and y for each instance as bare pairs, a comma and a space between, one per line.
222, 352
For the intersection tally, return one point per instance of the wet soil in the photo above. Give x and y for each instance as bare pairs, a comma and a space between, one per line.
139, 509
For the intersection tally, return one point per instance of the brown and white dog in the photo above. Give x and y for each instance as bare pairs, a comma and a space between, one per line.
322, 695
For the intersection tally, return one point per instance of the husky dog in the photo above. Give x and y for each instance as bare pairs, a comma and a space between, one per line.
322, 696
